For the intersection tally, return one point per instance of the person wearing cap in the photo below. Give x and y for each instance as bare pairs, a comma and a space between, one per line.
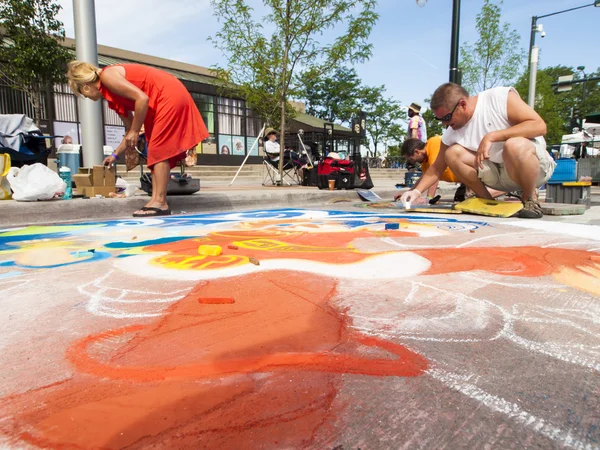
416, 124
272, 148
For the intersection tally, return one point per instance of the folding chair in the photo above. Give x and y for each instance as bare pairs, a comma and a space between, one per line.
291, 171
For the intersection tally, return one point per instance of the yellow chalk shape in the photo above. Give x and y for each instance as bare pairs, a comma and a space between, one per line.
210, 250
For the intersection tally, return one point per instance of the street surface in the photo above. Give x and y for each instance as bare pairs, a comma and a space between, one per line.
313, 329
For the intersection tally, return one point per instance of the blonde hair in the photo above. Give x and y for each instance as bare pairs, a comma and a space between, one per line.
81, 73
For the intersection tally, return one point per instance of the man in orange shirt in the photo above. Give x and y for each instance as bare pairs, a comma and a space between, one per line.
417, 151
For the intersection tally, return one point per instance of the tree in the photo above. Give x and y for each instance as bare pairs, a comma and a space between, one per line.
263, 70
556, 108
434, 126
496, 58
332, 97
31, 54
383, 115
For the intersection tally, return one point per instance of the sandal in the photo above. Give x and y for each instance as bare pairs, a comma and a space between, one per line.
531, 210
155, 211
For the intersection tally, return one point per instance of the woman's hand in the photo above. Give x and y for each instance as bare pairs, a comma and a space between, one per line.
108, 161
131, 138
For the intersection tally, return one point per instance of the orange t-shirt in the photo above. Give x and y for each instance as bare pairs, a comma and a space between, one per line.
432, 148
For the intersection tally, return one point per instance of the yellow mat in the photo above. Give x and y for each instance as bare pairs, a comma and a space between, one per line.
493, 208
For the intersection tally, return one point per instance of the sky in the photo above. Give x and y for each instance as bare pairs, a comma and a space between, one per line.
411, 54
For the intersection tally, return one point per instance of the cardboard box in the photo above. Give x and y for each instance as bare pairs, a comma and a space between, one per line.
97, 180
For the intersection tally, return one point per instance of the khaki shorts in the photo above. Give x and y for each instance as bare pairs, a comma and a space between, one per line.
494, 175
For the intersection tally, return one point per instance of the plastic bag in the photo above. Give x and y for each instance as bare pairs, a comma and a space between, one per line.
4, 168
35, 182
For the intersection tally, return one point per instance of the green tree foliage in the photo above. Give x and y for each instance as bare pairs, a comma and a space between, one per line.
340, 95
263, 68
496, 58
31, 54
557, 108
332, 96
383, 115
434, 127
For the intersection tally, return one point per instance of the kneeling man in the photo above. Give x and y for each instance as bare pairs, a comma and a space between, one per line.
493, 139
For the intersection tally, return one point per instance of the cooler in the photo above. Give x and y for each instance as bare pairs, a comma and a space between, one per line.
68, 155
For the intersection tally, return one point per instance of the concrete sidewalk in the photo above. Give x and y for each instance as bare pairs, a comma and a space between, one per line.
219, 197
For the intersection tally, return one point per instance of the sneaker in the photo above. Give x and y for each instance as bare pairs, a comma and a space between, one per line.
531, 210
459, 196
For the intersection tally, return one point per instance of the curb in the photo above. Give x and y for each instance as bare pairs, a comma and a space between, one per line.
14, 214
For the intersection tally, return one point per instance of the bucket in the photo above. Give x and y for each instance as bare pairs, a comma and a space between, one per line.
68, 155
411, 178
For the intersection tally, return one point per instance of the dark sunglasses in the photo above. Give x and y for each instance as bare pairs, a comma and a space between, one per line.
447, 117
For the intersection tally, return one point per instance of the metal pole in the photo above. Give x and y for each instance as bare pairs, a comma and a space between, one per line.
533, 76
90, 112
531, 97
581, 109
454, 77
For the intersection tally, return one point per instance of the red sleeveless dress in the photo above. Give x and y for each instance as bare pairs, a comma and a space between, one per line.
173, 123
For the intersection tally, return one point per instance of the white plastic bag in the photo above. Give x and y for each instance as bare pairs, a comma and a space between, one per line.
35, 182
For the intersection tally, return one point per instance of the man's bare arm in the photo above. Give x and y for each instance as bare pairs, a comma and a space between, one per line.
525, 121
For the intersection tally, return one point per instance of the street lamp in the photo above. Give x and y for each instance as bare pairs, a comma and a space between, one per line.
454, 70
582, 70
533, 50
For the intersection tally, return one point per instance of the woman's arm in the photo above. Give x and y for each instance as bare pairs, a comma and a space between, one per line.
113, 78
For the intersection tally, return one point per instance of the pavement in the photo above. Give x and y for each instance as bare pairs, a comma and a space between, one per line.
323, 323
217, 197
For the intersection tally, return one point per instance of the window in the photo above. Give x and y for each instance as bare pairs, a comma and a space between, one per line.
231, 116
253, 123
206, 106
65, 103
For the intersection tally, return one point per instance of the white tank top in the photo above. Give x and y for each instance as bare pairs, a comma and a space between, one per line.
490, 115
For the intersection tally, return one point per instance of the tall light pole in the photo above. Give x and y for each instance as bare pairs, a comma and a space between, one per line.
455, 76
90, 112
533, 50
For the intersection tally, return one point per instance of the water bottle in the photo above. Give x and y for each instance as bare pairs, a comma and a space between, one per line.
65, 175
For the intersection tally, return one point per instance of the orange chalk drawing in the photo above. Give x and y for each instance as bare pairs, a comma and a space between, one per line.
251, 361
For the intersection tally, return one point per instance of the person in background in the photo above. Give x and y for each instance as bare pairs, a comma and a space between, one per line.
417, 151
143, 95
416, 124
67, 140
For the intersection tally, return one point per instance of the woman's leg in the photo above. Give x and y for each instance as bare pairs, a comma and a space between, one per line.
160, 180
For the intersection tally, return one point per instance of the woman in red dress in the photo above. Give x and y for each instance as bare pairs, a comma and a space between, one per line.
146, 96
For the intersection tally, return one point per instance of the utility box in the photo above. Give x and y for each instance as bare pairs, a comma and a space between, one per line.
97, 180
574, 193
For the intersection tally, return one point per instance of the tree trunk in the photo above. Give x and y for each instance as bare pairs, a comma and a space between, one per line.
284, 84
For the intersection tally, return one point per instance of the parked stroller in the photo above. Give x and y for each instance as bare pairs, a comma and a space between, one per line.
22, 140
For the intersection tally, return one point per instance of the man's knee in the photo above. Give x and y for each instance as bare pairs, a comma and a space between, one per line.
455, 153
518, 148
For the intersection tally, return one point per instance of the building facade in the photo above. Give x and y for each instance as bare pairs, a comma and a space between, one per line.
233, 127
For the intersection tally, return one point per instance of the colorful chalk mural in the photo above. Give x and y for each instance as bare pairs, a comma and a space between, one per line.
309, 329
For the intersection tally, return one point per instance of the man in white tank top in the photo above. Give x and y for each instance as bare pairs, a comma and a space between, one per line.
493, 139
